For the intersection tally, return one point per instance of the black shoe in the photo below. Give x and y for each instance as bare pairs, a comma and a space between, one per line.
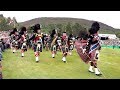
90, 71
53, 57
13, 52
98, 74
22, 56
64, 61
37, 61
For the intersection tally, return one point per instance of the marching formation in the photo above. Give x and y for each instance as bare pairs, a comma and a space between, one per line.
39, 41
87, 44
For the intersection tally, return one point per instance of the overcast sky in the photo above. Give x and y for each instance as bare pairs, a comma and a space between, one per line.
111, 18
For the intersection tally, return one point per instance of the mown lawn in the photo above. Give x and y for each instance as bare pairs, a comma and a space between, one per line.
17, 67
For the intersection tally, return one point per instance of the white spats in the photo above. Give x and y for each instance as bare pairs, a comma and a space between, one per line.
14, 51
70, 53
22, 54
91, 69
37, 59
64, 59
53, 55
97, 71
38, 46
24, 44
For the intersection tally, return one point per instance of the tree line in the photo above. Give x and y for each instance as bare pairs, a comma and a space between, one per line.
70, 28
7, 23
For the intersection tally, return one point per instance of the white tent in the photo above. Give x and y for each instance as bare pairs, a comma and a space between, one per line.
110, 36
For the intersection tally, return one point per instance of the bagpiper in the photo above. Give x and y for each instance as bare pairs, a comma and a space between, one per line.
53, 40
88, 47
46, 42
22, 39
64, 46
13, 36
94, 47
70, 44
37, 41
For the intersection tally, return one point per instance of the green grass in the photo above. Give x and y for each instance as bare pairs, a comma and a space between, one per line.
16, 67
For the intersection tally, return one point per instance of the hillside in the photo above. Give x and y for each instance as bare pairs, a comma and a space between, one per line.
50, 20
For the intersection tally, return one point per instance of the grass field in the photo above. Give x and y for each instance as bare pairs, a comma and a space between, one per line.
16, 67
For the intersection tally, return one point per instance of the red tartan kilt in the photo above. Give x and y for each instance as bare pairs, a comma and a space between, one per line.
92, 55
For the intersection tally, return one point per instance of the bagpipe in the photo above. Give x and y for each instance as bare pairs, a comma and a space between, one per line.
13, 42
54, 40
37, 43
85, 47
54, 45
80, 46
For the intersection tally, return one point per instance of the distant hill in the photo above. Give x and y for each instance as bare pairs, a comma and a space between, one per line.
86, 23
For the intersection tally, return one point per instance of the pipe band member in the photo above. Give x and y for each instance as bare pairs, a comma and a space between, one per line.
94, 47
37, 41
13, 43
53, 40
64, 46
70, 44
22, 40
